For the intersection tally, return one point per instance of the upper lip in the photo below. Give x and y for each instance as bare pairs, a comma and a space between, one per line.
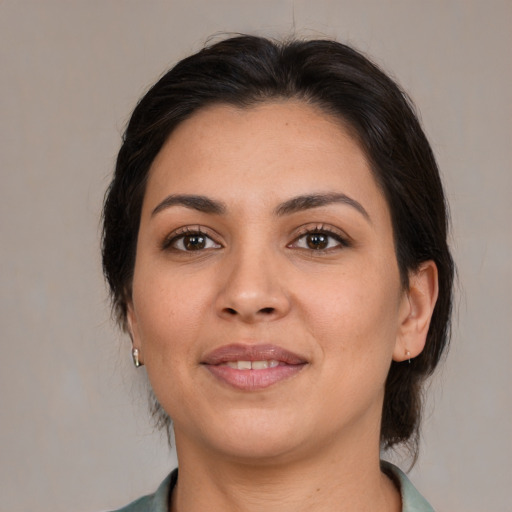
242, 352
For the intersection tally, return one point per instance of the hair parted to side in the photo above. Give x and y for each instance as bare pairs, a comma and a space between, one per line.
247, 70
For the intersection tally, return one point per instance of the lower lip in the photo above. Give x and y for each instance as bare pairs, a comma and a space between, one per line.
252, 380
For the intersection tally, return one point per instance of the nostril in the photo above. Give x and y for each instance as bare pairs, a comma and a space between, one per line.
263, 312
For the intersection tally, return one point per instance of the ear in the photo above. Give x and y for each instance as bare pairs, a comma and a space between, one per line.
133, 331
416, 312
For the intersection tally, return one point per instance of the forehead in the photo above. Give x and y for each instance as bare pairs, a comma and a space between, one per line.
269, 151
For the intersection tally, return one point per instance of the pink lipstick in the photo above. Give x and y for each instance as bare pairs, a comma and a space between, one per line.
252, 367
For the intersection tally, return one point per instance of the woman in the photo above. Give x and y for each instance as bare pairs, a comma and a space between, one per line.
275, 244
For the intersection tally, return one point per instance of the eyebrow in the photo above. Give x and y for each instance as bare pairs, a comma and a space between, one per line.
309, 201
296, 204
200, 203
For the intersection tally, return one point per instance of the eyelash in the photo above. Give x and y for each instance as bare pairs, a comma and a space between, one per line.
178, 236
342, 240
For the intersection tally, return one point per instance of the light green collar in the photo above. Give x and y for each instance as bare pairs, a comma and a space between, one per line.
412, 500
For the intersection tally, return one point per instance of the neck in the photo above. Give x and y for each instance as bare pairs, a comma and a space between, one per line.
325, 482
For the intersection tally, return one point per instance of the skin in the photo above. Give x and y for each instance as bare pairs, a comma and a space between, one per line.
311, 440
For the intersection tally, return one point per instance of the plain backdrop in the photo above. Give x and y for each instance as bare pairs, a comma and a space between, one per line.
74, 428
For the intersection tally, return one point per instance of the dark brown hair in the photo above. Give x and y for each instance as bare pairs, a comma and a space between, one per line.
246, 70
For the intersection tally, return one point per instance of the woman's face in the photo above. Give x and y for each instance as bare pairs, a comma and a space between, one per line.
266, 304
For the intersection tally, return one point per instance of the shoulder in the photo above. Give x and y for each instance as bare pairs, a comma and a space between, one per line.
156, 502
412, 500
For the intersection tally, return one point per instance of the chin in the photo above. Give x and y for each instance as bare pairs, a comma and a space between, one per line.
262, 449
256, 437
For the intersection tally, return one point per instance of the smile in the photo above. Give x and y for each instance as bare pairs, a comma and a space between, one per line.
252, 367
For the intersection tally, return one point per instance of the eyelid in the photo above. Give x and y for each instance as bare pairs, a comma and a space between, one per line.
327, 229
176, 234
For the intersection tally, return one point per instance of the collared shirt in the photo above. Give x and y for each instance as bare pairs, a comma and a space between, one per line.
412, 500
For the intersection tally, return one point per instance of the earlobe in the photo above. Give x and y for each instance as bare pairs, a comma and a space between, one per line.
420, 300
131, 323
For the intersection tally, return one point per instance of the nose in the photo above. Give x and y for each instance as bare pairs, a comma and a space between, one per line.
251, 289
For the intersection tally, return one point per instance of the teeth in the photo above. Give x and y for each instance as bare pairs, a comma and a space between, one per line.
259, 365
252, 365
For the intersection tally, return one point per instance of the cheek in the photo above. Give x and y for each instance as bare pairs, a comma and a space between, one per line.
168, 317
354, 325
169, 309
355, 312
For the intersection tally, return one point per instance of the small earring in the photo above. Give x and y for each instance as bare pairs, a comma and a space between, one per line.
408, 355
135, 357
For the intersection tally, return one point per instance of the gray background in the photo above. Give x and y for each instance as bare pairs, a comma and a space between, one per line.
74, 433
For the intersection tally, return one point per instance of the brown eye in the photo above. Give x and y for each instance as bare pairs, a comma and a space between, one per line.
194, 242
191, 241
321, 240
317, 241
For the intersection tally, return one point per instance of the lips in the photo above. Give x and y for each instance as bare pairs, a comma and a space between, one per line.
252, 367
